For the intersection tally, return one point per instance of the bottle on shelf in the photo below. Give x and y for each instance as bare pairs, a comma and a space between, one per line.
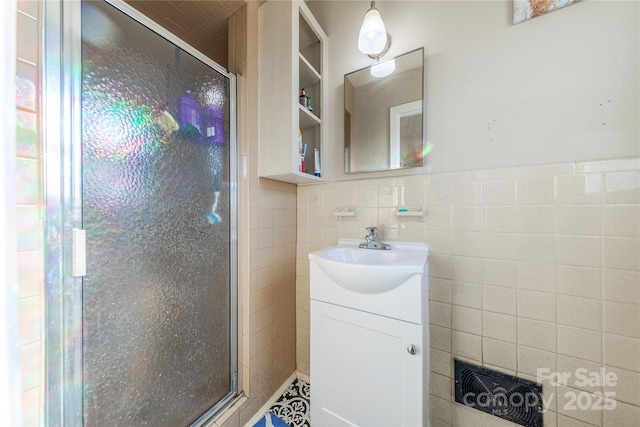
316, 163
303, 98
300, 147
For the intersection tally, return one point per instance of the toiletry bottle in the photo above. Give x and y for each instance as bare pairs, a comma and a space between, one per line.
316, 162
303, 98
300, 152
309, 107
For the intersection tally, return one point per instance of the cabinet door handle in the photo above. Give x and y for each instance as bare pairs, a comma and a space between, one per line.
412, 349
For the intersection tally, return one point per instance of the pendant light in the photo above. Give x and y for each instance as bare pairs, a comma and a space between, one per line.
372, 40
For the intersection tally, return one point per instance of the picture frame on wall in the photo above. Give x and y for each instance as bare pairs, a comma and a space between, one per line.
523, 10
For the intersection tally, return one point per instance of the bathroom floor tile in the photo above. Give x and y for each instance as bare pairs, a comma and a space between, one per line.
294, 405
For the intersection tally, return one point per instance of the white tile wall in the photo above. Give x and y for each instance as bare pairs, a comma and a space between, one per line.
532, 267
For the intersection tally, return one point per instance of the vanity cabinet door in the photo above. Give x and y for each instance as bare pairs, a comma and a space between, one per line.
362, 369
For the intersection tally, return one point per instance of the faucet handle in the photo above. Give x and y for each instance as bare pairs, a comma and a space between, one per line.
373, 231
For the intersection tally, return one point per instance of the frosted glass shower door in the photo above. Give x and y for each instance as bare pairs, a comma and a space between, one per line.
156, 208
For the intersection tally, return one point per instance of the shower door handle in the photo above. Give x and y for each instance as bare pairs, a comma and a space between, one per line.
78, 252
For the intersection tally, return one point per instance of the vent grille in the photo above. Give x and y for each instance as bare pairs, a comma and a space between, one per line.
505, 396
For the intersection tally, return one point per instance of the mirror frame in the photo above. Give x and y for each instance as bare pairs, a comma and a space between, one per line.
395, 114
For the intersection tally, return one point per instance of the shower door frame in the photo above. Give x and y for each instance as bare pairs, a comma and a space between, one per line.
61, 81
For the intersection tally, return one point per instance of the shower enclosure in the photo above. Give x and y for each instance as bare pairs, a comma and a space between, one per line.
140, 222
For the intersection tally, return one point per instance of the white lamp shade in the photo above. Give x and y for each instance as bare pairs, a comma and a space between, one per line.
373, 34
383, 69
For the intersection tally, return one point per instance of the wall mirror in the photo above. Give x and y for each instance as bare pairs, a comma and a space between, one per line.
383, 115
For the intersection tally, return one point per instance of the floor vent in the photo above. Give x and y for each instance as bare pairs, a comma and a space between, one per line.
505, 396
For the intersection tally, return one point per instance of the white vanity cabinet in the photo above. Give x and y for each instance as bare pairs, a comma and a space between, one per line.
293, 55
361, 370
369, 352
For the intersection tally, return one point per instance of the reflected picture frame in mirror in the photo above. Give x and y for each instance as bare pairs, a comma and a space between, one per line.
383, 115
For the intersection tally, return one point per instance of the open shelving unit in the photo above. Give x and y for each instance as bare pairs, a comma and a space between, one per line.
292, 56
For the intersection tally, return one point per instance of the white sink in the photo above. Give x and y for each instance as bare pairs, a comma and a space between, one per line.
370, 271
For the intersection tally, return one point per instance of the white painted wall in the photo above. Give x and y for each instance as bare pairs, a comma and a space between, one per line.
560, 87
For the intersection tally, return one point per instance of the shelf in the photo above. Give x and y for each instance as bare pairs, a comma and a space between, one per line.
349, 212
293, 56
309, 39
415, 213
296, 177
307, 118
309, 76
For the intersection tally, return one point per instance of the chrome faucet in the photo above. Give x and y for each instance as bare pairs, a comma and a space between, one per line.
372, 241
